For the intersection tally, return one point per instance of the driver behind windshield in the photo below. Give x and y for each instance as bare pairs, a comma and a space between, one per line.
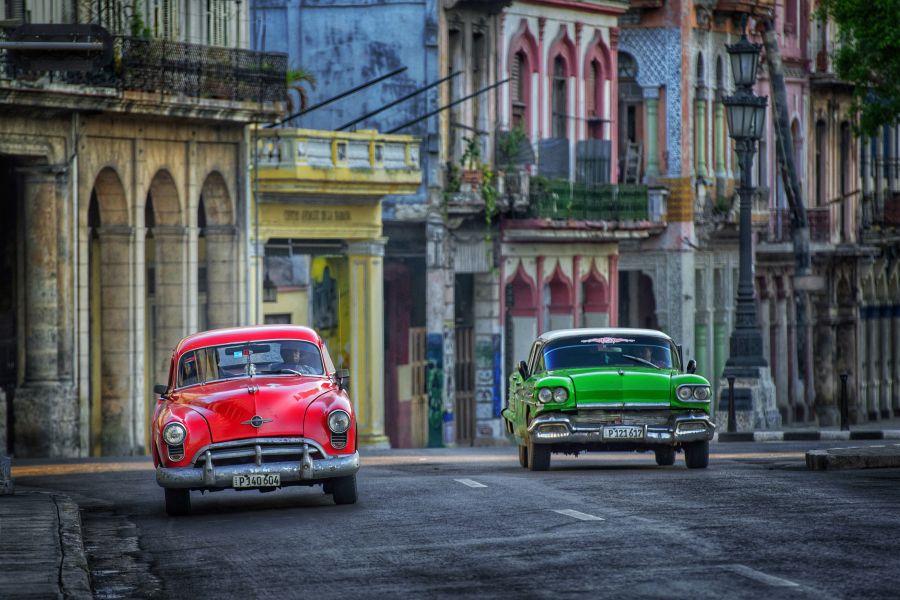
303, 360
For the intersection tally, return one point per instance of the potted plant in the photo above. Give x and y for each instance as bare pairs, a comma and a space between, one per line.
472, 173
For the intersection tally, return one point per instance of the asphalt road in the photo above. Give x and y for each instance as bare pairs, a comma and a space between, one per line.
471, 522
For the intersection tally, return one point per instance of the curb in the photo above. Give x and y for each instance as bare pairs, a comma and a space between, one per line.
866, 457
808, 435
73, 572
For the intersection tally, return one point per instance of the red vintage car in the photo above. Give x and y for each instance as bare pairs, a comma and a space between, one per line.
254, 408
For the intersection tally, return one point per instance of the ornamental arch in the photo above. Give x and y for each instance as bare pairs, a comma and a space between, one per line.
116, 423
166, 263
216, 255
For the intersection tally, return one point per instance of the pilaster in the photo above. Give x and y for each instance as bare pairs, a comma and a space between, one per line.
366, 265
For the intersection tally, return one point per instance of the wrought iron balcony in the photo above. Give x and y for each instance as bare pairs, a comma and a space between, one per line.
780, 227
174, 69
560, 199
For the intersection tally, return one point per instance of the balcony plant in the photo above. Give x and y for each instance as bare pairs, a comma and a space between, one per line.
472, 173
296, 79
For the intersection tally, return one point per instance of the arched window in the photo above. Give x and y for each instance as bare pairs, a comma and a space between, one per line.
520, 85
560, 102
593, 97
820, 162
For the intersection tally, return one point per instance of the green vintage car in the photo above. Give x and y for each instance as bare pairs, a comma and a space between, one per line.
608, 389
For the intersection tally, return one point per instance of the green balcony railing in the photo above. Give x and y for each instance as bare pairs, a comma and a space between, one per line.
561, 199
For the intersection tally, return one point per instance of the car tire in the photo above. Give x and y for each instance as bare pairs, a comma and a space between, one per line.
178, 502
344, 490
696, 455
523, 456
665, 456
538, 457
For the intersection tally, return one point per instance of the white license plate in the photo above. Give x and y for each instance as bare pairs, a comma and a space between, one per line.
623, 432
255, 481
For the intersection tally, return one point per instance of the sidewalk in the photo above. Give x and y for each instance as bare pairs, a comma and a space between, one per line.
41, 547
887, 429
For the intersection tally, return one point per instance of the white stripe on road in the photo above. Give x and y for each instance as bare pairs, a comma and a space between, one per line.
760, 576
578, 515
470, 482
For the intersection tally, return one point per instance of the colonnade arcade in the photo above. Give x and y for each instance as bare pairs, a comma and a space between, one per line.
151, 270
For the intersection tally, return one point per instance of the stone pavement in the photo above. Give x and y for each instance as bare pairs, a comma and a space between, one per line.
41, 548
887, 429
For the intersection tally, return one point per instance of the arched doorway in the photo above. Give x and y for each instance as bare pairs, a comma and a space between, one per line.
115, 420
521, 317
166, 287
216, 256
595, 300
558, 301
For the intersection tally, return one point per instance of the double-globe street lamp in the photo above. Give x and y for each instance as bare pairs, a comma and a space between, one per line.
746, 113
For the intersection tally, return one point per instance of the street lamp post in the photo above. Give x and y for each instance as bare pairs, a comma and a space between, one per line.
746, 113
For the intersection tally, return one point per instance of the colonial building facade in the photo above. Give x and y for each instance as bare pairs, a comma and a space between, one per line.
124, 219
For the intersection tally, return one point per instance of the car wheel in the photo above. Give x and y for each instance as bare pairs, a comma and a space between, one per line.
344, 490
665, 456
538, 457
523, 456
696, 455
178, 502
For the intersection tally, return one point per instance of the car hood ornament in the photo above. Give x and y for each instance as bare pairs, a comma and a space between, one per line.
257, 421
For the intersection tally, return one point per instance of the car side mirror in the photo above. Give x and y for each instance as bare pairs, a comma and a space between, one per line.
342, 377
523, 369
160, 389
691, 366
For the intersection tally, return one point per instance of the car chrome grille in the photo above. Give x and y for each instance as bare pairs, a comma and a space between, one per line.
176, 453
618, 417
246, 454
339, 440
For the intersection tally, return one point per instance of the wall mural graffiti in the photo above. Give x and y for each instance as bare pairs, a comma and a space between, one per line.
435, 387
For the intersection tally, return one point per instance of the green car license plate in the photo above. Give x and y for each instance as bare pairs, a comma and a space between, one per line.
623, 432
254, 481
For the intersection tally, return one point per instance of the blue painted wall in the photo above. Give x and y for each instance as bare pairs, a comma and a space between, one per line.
345, 43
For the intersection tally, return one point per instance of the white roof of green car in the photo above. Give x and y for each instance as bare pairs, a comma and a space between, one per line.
557, 334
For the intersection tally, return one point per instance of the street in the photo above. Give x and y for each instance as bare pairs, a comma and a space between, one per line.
471, 522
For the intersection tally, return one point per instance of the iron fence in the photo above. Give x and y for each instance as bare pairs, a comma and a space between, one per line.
561, 199
172, 68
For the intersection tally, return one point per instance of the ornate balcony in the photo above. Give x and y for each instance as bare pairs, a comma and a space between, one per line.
308, 162
562, 200
780, 228
152, 75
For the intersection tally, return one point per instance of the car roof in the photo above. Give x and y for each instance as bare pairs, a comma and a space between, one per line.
250, 333
558, 334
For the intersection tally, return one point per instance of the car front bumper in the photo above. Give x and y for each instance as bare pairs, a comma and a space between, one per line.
307, 471
559, 428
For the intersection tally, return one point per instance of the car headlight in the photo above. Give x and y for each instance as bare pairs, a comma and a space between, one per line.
684, 393
174, 434
560, 394
339, 421
701, 392
545, 395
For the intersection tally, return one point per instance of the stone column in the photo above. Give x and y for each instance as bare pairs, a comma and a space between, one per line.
887, 361
719, 140
700, 131
779, 355
823, 367
440, 333
170, 292
651, 133
874, 371
45, 407
120, 410
221, 271
895, 389
366, 271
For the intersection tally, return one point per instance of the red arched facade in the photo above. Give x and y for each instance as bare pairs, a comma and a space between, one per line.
523, 50
597, 71
524, 294
595, 297
561, 293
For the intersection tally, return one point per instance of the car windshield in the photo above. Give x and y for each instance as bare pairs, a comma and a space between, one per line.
611, 350
277, 357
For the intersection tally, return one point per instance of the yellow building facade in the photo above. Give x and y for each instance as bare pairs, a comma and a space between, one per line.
320, 245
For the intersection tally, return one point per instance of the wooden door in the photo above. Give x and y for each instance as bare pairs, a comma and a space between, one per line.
465, 386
